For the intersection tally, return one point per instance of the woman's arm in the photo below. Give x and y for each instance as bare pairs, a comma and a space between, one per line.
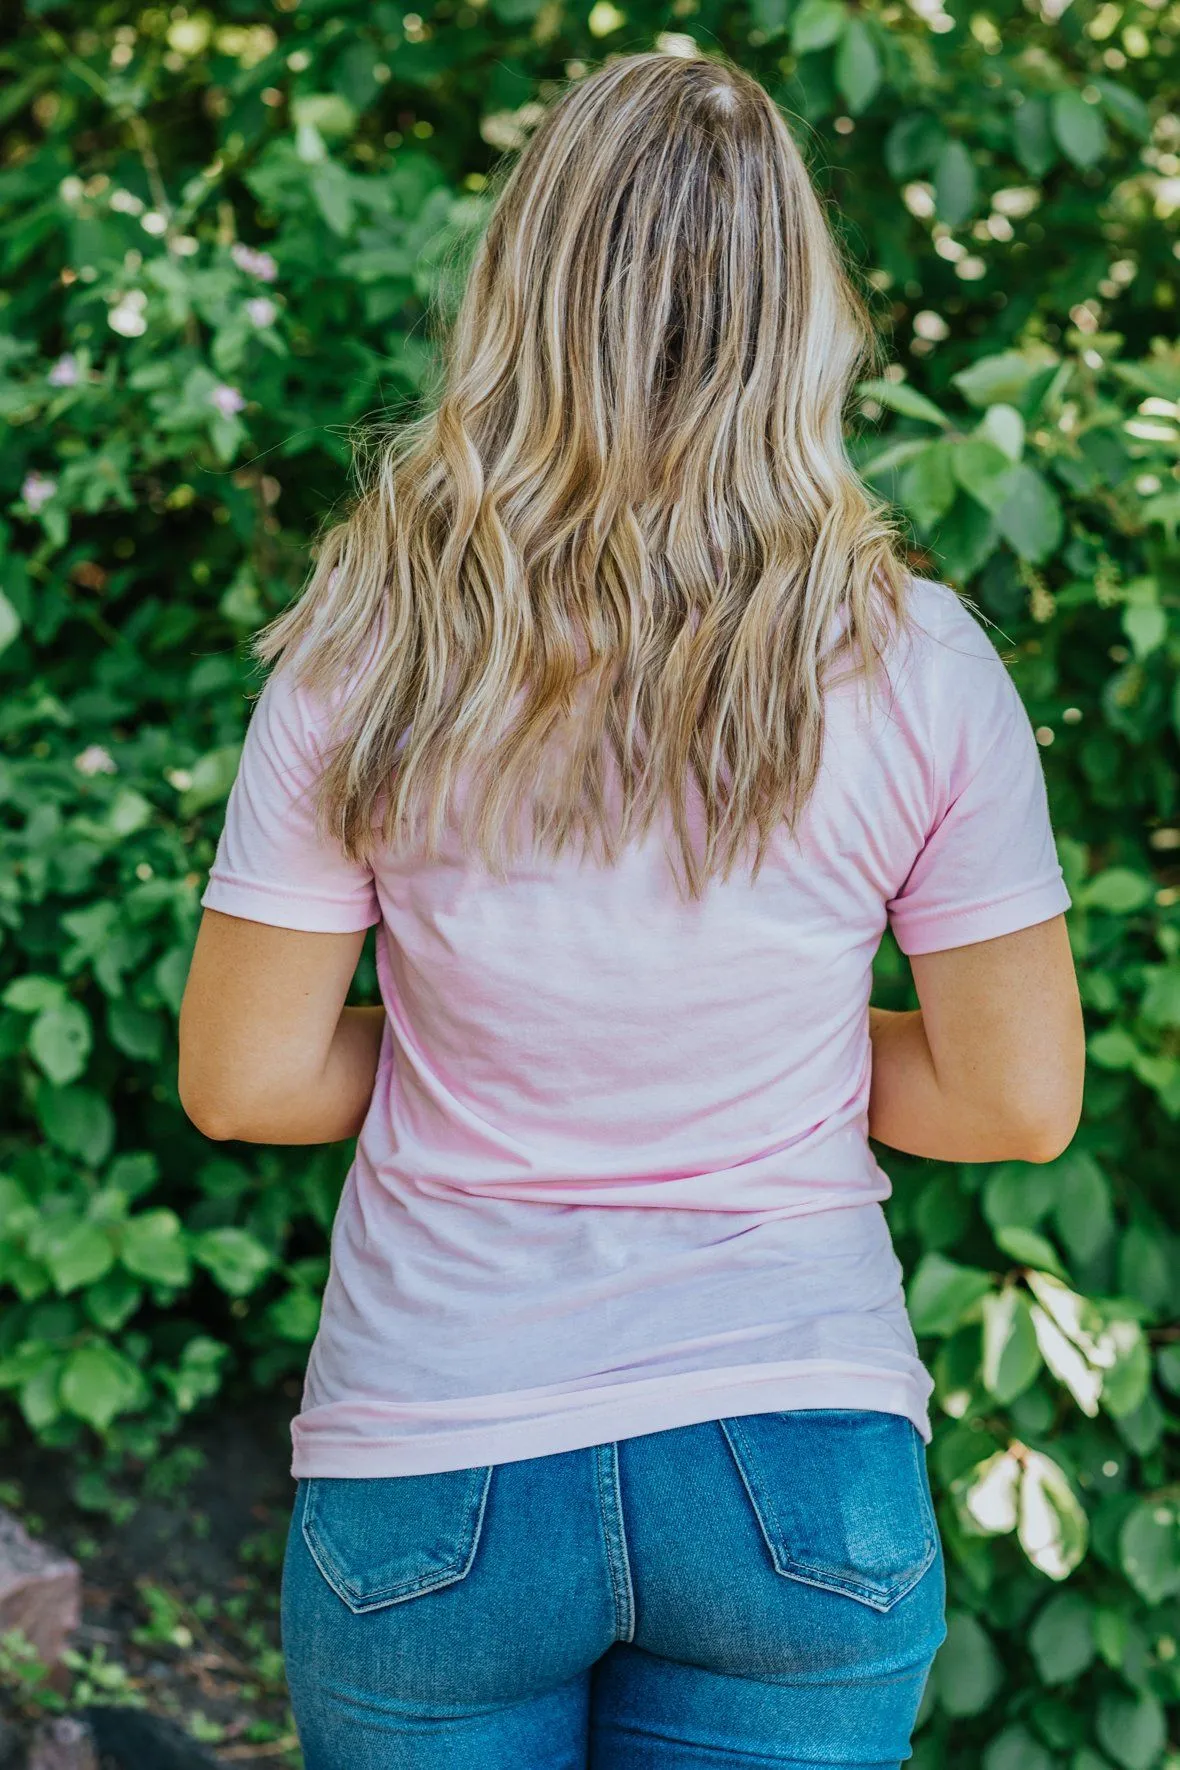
268, 1051
990, 1067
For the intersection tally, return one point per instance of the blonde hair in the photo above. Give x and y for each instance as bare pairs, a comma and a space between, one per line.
598, 577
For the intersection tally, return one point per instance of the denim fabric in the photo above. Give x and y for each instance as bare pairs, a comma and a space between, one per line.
765, 1590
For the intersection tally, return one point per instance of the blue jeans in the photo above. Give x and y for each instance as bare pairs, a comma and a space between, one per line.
767, 1590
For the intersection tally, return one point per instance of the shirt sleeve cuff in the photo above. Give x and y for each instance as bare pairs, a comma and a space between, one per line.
931, 931
256, 901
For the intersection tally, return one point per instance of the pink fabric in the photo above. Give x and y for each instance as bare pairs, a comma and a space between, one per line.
615, 1175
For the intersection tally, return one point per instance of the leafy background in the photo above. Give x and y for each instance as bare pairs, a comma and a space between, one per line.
222, 232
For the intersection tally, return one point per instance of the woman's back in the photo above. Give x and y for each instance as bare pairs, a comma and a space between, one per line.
581, 1034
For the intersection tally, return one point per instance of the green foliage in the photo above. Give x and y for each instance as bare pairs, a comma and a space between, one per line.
222, 230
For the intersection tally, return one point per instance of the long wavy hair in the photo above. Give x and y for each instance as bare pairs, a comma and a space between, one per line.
605, 576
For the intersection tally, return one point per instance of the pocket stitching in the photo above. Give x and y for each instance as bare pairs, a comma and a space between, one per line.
474, 1506
879, 1596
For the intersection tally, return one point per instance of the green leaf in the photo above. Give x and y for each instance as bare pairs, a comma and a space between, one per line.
212, 776
1030, 1249
1149, 1550
98, 1383
198, 1377
926, 485
1017, 1194
129, 812
769, 16
1078, 126
134, 1172
966, 537
1128, 1381
1146, 626
1062, 1638
858, 66
112, 1302
1004, 426
1082, 1209
326, 112
942, 1293
968, 1668
77, 1255
9, 622
1011, 1355
153, 1247
1125, 108
899, 396
171, 975
38, 1395
332, 189
1016, 1749
816, 25
295, 1315
1160, 1003
60, 1041
237, 1260
136, 1031
35, 995
1032, 137
1132, 1728
77, 1120
1030, 519
956, 188
913, 144
983, 470
1168, 1363
1052, 1527
516, 12
1002, 379
1118, 891
1147, 1266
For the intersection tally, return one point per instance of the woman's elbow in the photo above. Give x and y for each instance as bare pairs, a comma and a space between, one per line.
207, 1111
1046, 1128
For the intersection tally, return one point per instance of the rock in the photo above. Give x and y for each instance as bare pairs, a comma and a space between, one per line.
40, 1590
64, 1743
131, 1739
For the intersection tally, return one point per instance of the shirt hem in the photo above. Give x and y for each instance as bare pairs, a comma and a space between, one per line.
593, 1417
255, 902
938, 930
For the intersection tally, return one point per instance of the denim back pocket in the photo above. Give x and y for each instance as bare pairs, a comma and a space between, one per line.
842, 1496
381, 1541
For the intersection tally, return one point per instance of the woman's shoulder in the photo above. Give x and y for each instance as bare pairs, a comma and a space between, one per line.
949, 640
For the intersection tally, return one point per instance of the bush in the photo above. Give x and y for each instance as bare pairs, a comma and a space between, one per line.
223, 230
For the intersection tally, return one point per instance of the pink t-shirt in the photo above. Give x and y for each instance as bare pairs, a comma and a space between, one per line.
615, 1175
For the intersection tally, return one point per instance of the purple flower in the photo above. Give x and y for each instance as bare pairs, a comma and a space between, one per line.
254, 263
37, 490
262, 311
64, 372
227, 399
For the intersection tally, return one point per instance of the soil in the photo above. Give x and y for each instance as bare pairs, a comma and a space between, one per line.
180, 1590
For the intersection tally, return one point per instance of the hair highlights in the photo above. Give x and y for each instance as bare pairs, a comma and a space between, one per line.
599, 577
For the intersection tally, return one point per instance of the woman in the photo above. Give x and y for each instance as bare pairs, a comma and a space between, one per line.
613, 708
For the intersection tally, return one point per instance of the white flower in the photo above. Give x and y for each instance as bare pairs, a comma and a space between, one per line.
127, 316
37, 490
64, 372
95, 760
126, 203
254, 263
262, 311
227, 399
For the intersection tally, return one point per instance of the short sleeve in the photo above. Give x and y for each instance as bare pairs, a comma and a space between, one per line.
270, 865
989, 864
